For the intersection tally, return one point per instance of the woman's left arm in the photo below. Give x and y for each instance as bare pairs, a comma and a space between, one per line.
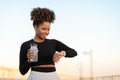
69, 52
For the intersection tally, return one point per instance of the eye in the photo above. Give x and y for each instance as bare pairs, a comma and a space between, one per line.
43, 28
48, 29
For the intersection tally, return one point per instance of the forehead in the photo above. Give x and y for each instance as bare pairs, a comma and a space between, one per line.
45, 24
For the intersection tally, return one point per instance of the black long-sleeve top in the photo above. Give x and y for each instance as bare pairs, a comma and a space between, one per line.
45, 54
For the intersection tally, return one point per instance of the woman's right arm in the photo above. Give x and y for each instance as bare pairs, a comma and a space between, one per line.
24, 65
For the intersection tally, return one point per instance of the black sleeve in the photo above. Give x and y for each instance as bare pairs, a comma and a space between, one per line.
69, 51
24, 66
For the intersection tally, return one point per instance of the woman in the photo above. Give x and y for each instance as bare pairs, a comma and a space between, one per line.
44, 68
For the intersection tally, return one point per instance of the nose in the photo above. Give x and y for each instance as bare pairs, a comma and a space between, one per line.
47, 32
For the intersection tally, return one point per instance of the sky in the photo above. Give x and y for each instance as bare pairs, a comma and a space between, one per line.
85, 25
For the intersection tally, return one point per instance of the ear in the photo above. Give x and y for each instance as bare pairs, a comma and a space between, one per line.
35, 27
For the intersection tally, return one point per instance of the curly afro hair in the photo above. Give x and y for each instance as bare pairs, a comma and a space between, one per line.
39, 15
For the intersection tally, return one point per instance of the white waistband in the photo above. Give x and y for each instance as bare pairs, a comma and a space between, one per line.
43, 76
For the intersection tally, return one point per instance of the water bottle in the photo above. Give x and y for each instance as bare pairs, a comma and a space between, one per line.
34, 49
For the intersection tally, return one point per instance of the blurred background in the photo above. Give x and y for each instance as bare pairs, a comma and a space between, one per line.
91, 27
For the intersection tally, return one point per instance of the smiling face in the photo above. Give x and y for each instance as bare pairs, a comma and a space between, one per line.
42, 30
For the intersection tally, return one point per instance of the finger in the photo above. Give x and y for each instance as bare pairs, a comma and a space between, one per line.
28, 50
30, 55
55, 59
61, 54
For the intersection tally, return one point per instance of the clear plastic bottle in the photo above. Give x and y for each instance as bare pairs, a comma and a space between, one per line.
34, 49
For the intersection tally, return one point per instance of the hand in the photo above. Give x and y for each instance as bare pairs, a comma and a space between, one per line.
58, 56
30, 55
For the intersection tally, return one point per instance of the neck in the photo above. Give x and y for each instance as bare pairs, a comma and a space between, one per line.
37, 39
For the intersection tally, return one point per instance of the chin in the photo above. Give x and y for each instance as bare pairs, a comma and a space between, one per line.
43, 38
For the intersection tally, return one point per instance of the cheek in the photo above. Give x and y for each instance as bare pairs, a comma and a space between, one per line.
40, 32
